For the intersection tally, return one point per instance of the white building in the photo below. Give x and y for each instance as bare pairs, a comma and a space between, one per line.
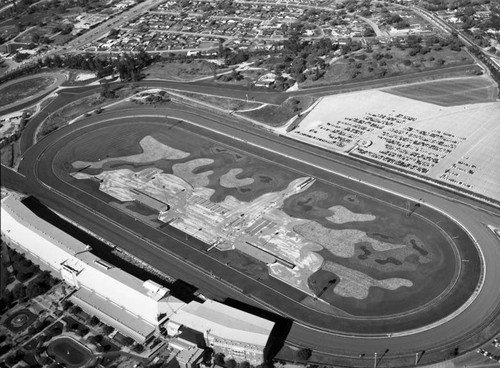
119, 299
237, 334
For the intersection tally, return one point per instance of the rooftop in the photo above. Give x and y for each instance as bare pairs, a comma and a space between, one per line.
225, 322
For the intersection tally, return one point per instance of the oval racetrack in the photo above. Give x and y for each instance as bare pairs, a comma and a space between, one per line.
37, 167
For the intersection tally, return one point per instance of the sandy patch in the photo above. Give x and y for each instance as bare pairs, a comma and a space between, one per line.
357, 285
229, 180
152, 151
85, 76
297, 277
123, 184
185, 171
341, 243
342, 215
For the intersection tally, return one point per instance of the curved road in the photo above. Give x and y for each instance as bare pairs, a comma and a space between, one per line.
470, 217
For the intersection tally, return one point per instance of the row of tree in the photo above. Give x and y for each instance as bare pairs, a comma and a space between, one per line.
127, 66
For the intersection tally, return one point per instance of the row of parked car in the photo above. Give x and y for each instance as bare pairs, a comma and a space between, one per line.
496, 357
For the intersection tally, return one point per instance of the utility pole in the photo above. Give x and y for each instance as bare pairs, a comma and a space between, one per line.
375, 360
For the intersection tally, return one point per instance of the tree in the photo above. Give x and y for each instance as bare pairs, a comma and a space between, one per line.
73, 326
75, 309
82, 331
107, 329
54, 331
304, 353
14, 358
127, 341
94, 321
67, 304
219, 359
33, 290
138, 348
231, 363
19, 291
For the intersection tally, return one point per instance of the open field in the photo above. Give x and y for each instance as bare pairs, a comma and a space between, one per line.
453, 92
222, 102
180, 71
385, 61
10, 154
454, 144
87, 104
20, 90
276, 116
277, 222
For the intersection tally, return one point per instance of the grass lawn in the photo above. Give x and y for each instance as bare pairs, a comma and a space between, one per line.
90, 103
26, 37
247, 77
10, 154
278, 115
182, 71
222, 102
457, 91
18, 91
62, 116
385, 62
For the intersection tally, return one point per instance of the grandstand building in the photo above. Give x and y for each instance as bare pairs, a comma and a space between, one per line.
134, 307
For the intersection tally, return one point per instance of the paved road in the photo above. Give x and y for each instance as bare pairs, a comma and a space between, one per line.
472, 218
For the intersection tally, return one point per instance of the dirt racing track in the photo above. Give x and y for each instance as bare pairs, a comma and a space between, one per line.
335, 324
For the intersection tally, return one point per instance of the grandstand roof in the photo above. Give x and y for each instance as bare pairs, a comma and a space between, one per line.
225, 322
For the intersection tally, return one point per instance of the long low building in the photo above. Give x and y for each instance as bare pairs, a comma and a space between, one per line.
121, 300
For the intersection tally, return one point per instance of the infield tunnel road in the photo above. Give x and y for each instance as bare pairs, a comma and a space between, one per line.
444, 334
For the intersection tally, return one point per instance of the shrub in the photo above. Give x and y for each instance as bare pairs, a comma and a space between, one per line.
304, 353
